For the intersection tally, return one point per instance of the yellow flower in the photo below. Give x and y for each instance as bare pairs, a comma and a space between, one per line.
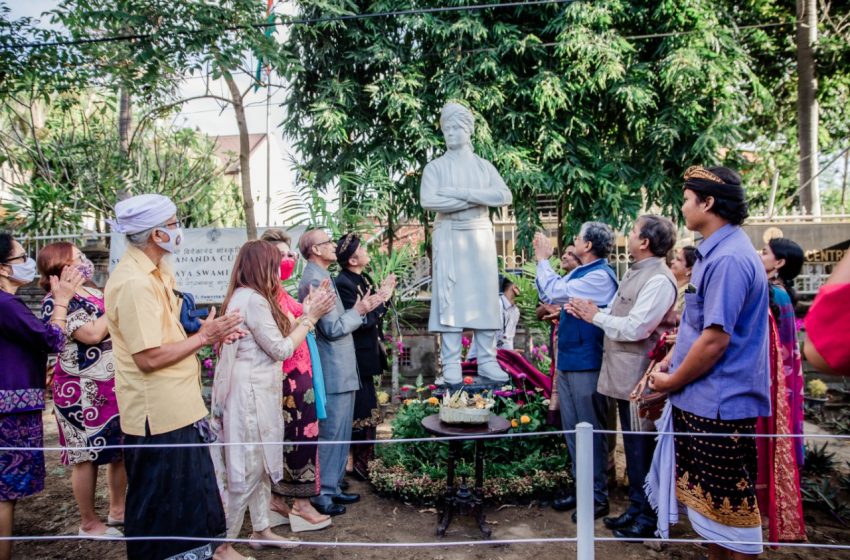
383, 397
407, 402
514, 423
433, 401
524, 419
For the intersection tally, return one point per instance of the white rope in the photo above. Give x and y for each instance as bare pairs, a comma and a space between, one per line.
417, 440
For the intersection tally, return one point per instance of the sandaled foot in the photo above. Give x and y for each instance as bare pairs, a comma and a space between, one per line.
268, 539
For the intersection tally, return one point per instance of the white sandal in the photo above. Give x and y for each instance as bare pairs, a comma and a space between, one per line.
299, 524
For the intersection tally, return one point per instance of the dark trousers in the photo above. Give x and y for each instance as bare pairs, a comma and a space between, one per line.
639, 450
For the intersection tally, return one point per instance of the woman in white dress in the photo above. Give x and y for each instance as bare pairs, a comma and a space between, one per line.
247, 391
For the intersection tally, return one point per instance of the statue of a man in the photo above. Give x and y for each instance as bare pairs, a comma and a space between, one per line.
460, 186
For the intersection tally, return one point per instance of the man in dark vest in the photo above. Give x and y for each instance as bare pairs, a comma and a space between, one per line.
642, 310
580, 346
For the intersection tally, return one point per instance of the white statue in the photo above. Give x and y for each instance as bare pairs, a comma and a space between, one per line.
460, 187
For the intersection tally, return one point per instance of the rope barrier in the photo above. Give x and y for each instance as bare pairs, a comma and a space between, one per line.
435, 439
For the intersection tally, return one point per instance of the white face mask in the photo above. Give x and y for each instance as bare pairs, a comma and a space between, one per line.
175, 238
24, 273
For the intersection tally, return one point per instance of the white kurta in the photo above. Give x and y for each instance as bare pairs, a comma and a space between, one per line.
460, 186
249, 381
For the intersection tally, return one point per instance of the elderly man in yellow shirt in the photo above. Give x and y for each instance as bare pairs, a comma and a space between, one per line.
172, 491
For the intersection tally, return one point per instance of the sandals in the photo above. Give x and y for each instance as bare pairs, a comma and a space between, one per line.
299, 524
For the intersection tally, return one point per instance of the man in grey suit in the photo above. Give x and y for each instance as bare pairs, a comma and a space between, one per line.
339, 364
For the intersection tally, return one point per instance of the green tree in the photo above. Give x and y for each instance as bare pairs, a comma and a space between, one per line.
65, 165
569, 102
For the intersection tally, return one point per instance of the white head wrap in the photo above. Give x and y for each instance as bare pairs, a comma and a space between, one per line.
142, 212
455, 111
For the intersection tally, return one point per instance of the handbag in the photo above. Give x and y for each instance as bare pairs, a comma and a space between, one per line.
649, 403
190, 315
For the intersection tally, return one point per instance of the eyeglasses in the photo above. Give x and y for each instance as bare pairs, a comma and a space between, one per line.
323, 243
22, 256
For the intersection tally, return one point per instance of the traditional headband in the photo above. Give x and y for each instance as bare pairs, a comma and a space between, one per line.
702, 181
700, 172
346, 247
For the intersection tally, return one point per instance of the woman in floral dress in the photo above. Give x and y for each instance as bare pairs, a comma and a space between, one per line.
84, 393
301, 479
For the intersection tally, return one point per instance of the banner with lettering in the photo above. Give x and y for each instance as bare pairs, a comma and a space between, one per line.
202, 265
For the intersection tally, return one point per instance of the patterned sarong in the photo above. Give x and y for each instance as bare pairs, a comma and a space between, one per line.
716, 476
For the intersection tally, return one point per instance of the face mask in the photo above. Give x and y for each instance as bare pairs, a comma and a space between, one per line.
286, 268
86, 268
24, 273
175, 237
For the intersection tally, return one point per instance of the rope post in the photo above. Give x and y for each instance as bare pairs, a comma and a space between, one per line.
584, 491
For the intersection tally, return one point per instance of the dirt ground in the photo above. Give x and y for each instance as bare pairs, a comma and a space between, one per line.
379, 520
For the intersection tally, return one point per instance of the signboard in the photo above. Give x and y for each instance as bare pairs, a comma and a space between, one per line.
202, 265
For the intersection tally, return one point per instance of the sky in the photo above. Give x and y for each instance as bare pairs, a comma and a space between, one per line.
206, 115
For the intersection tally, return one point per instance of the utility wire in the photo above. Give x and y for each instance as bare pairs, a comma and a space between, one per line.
295, 21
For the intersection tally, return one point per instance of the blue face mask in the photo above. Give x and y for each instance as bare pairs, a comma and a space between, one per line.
24, 273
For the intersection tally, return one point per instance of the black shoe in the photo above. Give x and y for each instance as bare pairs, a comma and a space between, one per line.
330, 509
623, 520
600, 509
343, 484
637, 531
564, 504
343, 498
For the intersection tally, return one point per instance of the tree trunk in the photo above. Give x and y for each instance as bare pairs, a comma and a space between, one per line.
124, 120
244, 156
807, 105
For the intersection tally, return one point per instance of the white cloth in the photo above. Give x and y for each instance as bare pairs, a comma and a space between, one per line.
258, 487
553, 288
249, 381
142, 212
653, 302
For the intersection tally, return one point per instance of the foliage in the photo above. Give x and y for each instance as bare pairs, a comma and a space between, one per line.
567, 104
517, 468
64, 154
818, 462
822, 494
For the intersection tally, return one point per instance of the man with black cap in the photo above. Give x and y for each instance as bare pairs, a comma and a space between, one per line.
718, 376
353, 283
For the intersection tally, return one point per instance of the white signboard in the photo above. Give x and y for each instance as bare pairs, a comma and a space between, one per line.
202, 265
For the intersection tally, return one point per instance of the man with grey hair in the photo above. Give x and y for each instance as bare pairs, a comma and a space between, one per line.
461, 188
580, 346
339, 364
172, 489
643, 310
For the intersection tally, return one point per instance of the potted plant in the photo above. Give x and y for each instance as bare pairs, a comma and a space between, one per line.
815, 395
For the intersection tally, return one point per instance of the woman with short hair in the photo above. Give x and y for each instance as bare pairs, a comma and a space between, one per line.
84, 391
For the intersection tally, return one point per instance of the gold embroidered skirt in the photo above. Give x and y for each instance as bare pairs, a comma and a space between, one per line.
716, 475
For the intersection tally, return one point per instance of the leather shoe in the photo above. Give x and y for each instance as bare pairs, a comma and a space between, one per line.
564, 504
621, 521
637, 531
329, 509
343, 498
599, 509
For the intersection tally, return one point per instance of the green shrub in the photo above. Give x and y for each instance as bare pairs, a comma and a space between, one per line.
514, 468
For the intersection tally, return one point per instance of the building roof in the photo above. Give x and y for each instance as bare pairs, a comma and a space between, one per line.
227, 150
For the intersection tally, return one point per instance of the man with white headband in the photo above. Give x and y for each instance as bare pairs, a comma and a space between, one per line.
172, 490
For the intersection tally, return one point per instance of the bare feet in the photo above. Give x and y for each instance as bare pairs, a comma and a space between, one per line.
95, 527
227, 552
272, 540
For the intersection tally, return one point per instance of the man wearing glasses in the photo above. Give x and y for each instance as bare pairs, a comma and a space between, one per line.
339, 364
580, 346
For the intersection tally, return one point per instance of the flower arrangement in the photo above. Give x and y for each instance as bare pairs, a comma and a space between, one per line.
208, 359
